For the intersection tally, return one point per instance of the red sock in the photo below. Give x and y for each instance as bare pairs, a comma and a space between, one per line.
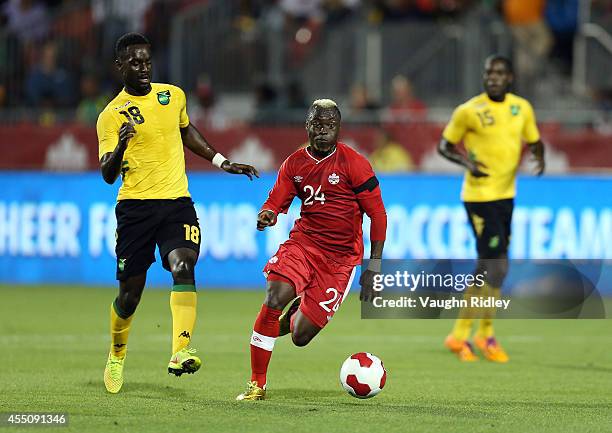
264, 335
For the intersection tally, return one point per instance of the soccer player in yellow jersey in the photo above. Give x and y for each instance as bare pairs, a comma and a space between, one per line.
492, 126
141, 135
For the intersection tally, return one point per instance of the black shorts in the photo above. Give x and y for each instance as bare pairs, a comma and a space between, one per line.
141, 224
491, 221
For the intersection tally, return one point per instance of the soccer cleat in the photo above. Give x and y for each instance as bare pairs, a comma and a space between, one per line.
113, 374
285, 319
184, 361
453, 344
463, 349
491, 349
466, 354
252, 393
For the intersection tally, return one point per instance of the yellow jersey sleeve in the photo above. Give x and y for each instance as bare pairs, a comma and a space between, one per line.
108, 133
183, 118
457, 127
530, 131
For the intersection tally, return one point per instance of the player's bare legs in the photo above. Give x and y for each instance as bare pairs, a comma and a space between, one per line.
278, 294
182, 265
183, 303
121, 314
303, 330
130, 291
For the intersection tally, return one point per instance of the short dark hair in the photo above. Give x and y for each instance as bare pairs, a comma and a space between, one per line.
500, 58
127, 40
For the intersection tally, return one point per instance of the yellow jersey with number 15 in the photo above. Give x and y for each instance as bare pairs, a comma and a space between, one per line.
153, 165
492, 133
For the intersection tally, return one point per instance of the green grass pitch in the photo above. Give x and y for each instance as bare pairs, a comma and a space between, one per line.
54, 343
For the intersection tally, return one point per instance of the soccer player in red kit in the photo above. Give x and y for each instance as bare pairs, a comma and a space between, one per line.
315, 267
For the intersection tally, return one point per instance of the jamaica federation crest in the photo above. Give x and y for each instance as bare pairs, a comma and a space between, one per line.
163, 97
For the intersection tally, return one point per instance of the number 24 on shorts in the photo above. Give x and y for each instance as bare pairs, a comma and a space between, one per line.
192, 233
336, 298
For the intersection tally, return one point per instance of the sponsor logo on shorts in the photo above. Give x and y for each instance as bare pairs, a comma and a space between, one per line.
273, 260
297, 179
121, 265
334, 179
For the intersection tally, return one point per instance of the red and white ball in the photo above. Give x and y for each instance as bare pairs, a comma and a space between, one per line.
363, 375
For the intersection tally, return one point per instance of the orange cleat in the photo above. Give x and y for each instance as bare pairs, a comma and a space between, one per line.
463, 349
453, 344
491, 349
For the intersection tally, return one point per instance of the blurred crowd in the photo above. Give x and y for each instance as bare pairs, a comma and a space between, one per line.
56, 55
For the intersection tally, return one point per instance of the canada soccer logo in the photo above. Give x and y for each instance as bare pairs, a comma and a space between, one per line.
333, 178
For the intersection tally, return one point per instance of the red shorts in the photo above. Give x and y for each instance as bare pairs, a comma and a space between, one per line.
319, 281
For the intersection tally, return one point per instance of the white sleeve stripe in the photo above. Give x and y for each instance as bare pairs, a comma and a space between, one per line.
350, 282
262, 341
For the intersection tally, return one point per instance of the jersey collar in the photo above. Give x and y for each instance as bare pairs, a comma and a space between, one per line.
318, 161
496, 102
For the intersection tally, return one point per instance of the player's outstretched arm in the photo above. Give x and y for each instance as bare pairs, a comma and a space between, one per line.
449, 151
537, 151
110, 164
198, 145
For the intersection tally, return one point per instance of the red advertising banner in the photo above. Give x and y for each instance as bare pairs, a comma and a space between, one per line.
74, 147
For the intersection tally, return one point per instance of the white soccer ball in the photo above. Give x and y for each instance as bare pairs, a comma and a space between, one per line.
363, 375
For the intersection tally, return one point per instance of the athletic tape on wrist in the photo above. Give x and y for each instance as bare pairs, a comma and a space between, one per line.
218, 160
375, 265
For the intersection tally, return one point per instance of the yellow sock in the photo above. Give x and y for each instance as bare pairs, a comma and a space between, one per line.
463, 324
485, 328
462, 328
120, 329
183, 303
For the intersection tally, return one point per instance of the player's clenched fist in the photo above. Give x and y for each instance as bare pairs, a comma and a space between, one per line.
126, 132
265, 219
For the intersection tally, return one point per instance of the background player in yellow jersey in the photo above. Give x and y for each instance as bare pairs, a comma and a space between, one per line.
492, 126
141, 135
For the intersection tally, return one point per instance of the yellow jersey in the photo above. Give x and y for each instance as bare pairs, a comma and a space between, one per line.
391, 158
492, 133
153, 165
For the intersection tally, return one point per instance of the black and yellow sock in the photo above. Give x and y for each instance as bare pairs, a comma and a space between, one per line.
120, 329
183, 303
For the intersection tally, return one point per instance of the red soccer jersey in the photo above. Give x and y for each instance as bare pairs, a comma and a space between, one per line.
333, 191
